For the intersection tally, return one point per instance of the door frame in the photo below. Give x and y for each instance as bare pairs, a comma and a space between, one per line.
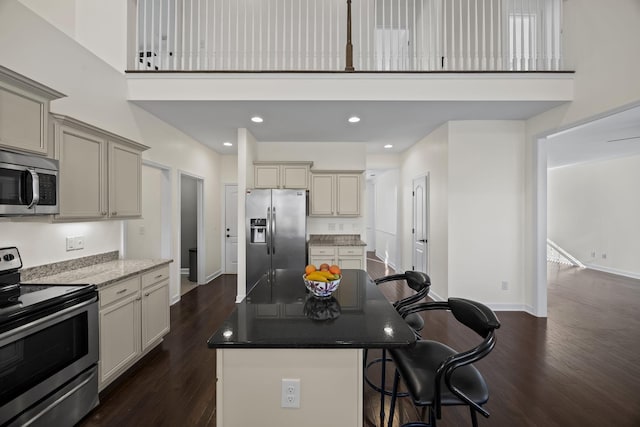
200, 240
223, 224
426, 181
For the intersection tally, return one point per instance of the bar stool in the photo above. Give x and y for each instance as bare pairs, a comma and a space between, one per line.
420, 283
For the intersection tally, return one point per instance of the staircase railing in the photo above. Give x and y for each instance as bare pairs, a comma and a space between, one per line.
348, 35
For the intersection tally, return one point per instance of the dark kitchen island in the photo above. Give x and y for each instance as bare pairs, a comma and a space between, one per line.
280, 332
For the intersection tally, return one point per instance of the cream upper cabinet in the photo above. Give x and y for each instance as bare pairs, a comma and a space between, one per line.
335, 194
24, 113
100, 173
125, 183
294, 175
321, 195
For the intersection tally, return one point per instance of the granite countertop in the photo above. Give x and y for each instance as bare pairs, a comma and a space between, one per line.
279, 312
101, 274
335, 240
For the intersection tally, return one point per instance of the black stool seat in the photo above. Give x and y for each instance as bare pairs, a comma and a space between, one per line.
418, 366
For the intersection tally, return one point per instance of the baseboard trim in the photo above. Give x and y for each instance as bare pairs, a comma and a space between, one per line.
212, 276
617, 272
495, 306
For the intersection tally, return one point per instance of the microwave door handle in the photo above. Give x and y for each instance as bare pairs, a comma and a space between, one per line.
36, 188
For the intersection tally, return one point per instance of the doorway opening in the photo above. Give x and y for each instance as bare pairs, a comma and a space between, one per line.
191, 232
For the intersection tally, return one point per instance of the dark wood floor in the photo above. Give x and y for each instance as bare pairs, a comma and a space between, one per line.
578, 367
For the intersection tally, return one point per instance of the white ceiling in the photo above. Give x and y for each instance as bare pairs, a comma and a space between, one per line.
401, 123
615, 135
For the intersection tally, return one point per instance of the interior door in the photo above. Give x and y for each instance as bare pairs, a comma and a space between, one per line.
231, 229
420, 224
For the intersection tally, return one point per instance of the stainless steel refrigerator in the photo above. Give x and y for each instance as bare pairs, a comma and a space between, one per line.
276, 232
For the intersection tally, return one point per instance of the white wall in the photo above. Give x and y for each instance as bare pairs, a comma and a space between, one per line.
387, 206
97, 94
144, 235
324, 155
486, 211
594, 211
247, 153
428, 156
229, 169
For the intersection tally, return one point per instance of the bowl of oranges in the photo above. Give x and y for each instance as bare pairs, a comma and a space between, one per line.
323, 281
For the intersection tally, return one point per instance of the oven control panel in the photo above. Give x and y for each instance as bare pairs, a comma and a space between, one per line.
10, 259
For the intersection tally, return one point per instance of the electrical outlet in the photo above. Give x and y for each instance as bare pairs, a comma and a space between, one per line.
341, 227
604, 256
505, 285
290, 393
79, 242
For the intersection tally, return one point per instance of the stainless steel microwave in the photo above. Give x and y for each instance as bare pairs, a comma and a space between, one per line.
28, 185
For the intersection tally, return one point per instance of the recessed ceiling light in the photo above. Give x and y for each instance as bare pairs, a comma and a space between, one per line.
388, 146
227, 144
257, 119
354, 119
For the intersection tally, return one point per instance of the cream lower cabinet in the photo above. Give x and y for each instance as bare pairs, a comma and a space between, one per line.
134, 316
100, 173
335, 194
342, 256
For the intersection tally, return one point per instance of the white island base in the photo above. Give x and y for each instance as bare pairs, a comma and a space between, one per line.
249, 387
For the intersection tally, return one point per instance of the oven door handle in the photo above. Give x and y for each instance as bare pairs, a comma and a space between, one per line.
35, 180
46, 319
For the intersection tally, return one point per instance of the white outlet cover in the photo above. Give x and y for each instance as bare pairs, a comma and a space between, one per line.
290, 393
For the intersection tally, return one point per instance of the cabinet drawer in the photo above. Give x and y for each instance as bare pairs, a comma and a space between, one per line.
119, 291
349, 250
155, 276
322, 250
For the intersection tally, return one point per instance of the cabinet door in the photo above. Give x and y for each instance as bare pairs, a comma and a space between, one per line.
119, 337
155, 313
322, 194
83, 189
266, 176
23, 120
348, 195
295, 176
125, 178
351, 262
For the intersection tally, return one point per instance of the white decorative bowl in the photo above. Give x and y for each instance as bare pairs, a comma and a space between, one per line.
321, 289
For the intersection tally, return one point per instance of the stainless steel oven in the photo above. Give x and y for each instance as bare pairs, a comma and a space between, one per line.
28, 185
48, 352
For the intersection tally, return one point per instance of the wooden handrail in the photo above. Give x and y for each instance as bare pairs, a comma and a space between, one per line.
349, 50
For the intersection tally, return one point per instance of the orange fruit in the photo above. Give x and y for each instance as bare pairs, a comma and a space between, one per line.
309, 269
334, 269
324, 267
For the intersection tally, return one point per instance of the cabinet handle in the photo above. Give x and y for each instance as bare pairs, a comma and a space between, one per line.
114, 213
158, 276
121, 291
146, 295
138, 299
103, 213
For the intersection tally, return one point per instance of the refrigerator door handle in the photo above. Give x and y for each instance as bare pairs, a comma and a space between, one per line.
273, 230
268, 230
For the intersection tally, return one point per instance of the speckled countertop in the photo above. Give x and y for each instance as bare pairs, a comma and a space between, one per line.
102, 274
335, 240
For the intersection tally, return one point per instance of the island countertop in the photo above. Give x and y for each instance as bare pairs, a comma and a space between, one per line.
279, 312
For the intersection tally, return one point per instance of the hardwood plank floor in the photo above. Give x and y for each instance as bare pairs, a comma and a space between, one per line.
578, 367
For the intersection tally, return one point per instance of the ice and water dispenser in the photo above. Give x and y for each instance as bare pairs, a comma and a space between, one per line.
258, 227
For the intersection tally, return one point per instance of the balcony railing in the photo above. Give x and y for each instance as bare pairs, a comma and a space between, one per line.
348, 35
